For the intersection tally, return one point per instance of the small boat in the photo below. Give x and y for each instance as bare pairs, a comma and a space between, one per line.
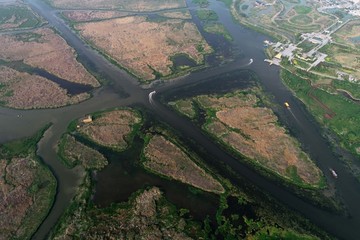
287, 104
333, 173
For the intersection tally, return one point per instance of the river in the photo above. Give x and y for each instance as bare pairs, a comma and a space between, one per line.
125, 91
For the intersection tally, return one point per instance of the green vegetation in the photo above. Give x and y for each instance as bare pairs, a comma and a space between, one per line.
147, 211
73, 153
29, 185
23, 147
334, 111
208, 15
201, 3
253, 223
147, 214
301, 20
218, 28
352, 88
300, 9
17, 16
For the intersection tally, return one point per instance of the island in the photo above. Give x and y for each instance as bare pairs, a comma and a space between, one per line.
165, 158
242, 122
27, 188
39, 69
148, 212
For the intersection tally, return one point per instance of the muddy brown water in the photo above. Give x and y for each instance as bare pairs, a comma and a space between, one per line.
124, 91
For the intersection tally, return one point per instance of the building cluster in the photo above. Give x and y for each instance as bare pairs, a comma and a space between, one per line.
351, 7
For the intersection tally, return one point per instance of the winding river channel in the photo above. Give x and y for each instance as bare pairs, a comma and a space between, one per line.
124, 90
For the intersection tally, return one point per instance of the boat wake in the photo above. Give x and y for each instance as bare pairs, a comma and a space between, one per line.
248, 64
151, 100
291, 112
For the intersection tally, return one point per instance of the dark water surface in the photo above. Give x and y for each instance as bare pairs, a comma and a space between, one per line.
124, 91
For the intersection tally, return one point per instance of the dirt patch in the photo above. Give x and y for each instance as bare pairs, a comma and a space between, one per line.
144, 47
165, 158
254, 132
26, 91
110, 129
130, 5
42, 48
91, 15
74, 152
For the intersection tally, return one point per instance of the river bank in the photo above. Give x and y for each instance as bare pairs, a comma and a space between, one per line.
250, 45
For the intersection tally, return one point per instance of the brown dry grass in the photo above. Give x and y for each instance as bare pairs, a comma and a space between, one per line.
25, 91
91, 15
111, 128
48, 51
15, 200
11, 23
141, 46
181, 14
167, 159
130, 5
254, 132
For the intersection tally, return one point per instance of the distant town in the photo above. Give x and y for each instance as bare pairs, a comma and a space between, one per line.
307, 48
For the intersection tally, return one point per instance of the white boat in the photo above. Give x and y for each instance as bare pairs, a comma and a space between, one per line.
333, 173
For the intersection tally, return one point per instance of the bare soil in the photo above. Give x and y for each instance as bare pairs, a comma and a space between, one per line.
110, 129
254, 132
130, 5
42, 48
142, 46
25, 91
165, 158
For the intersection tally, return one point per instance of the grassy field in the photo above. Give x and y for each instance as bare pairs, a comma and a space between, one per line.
334, 111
